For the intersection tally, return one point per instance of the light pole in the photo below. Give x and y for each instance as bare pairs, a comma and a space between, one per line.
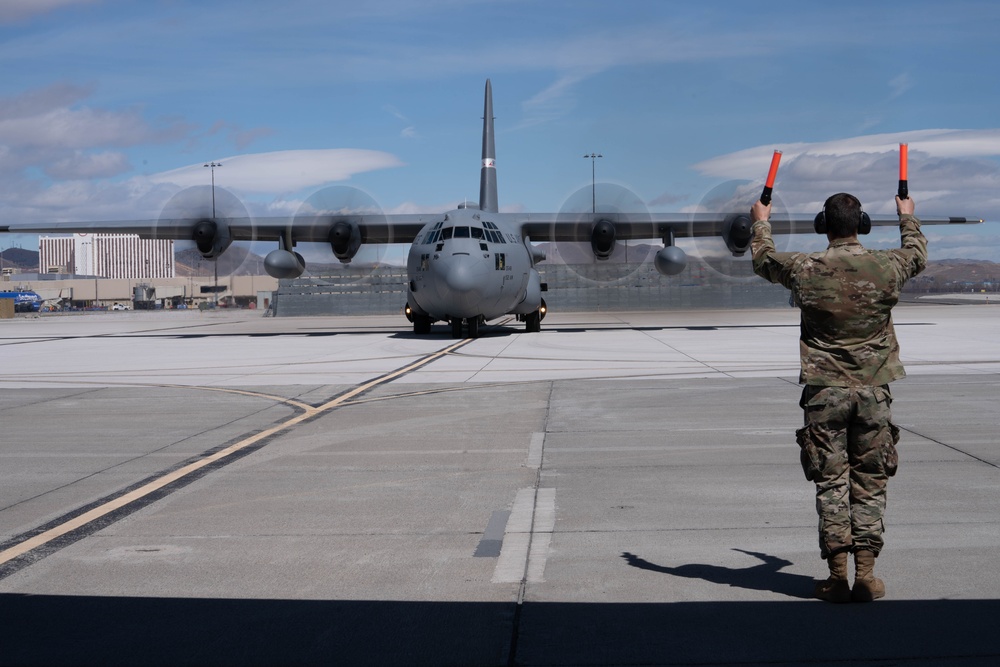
215, 261
213, 165
593, 179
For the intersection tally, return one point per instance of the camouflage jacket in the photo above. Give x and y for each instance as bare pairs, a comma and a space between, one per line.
845, 294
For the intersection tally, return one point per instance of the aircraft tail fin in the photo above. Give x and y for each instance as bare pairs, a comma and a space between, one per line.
488, 174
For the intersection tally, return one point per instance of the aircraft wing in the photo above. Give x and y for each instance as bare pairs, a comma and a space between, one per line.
579, 226
786, 226
316, 229
311, 229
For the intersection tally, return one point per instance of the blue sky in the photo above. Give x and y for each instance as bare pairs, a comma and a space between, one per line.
109, 107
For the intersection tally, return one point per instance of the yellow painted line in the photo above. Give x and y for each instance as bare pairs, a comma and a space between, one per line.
281, 400
308, 412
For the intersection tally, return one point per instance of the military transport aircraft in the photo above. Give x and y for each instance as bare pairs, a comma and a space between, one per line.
466, 266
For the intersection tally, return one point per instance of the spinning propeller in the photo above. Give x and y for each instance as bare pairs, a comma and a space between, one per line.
604, 248
200, 213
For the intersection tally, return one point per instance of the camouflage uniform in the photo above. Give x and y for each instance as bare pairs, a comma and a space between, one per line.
849, 355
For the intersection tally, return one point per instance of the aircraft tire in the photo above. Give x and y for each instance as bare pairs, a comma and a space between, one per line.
421, 324
473, 327
456, 327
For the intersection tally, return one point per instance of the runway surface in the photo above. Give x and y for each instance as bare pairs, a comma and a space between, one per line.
622, 488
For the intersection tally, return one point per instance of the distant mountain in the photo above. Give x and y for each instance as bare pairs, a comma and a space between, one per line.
25, 260
949, 275
236, 261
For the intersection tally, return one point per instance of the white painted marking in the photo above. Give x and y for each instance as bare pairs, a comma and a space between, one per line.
521, 512
526, 543
535, 451
541, 537
537, 556
545, 511
510, 564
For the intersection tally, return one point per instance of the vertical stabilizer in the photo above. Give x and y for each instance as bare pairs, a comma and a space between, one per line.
488, 175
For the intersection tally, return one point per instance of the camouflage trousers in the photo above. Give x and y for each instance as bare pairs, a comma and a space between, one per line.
848, 448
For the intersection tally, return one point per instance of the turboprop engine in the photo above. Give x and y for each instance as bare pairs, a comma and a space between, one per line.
736, 233
345, 240
211, 237
602, 239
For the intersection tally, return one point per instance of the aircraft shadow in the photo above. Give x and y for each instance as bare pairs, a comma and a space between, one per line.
498, 330
83, 630
767, 576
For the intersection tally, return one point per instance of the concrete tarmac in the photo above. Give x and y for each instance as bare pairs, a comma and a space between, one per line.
185, 488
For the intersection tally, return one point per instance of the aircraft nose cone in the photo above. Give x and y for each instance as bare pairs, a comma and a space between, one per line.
463, 280
461, 277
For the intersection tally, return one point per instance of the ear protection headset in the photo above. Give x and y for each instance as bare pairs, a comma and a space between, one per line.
864, 222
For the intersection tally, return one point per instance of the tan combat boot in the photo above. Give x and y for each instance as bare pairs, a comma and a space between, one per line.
867, 586
835, 588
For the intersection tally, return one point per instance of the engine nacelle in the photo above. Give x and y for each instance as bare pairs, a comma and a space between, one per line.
345, 240
602, 239
736, 233
670, 260
211, 237
537, 254
284, 264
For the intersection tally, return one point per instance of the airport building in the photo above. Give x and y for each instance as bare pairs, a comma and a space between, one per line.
61, 292
118, 256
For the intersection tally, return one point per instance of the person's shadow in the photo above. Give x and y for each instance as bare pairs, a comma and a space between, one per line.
767, 576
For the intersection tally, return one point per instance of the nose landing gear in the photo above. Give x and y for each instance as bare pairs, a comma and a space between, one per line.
472, 323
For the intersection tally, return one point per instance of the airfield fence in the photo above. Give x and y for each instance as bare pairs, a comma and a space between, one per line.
605, 286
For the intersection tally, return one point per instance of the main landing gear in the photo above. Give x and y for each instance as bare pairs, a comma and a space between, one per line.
533, 320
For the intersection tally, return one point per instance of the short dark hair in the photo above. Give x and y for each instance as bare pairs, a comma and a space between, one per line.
843, 213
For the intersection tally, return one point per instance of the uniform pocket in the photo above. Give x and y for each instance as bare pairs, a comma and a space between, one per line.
808, 453
890, 457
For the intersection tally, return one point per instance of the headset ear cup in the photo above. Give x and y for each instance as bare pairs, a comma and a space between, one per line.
865, 224
819, 222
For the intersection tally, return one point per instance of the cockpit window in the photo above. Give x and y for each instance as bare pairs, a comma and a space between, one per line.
434, 234
462, 233
492, 232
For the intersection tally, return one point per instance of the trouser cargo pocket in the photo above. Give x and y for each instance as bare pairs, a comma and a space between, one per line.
808, 454
890, 457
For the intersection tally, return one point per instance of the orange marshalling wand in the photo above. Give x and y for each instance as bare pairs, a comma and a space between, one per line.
904, 190
765, 196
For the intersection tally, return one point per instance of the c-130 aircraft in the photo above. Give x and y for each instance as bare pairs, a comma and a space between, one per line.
466, 266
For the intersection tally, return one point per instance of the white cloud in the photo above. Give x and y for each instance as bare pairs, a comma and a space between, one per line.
899, 85
52, 117
951, 172
933, 143
48, 129
18, 10
283, 171
89, 165
554, 101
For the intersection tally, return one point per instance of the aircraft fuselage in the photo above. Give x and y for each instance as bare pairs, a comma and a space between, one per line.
470, 266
